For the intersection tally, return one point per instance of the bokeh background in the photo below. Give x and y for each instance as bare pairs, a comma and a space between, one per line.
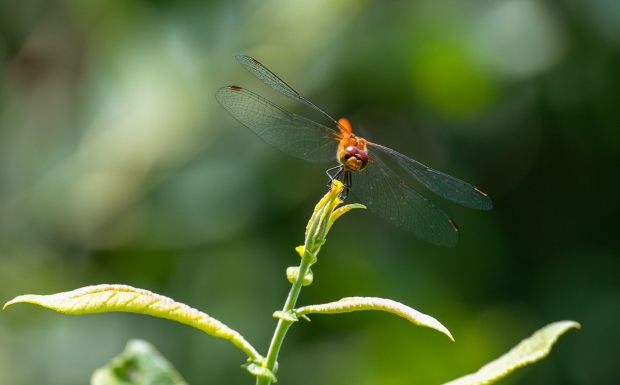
117, 165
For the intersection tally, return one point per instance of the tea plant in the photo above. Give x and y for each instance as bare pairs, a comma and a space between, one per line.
140, 363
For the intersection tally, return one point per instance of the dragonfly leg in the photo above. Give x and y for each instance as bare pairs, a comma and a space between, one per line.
336, 171
347, 182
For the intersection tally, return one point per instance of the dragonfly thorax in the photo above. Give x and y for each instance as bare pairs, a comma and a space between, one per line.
352, 152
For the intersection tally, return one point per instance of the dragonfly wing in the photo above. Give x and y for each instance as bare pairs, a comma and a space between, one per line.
384, 193
441, 184
289, 133
273, 81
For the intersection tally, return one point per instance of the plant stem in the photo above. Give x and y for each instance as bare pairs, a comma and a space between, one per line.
291, 300
316, 231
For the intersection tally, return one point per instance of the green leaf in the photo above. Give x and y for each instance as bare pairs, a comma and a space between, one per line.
306, 254
285, 315
123, 298
330, 199
526, 352
259, 371
350, 304
139, 364
342, 210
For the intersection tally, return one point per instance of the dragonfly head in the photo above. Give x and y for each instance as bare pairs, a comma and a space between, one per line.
353, 158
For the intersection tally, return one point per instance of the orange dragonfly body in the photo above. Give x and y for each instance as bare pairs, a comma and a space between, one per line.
360, 170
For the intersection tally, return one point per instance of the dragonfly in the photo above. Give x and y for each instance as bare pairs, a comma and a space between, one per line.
362, 172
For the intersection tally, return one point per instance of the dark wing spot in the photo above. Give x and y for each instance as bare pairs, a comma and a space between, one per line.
255, 61
480, 191
453, 225
234, 88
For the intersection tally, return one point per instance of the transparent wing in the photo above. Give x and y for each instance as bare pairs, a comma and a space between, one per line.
289, 133
273, 81
385, 194
441, 184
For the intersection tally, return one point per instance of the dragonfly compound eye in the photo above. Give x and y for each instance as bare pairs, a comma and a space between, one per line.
355, 159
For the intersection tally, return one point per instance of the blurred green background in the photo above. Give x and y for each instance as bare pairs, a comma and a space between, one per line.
117, 165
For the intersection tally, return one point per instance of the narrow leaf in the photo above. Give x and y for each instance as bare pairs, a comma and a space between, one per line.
526, 352
342, 210
139, 364
350, 304
123, 298
334, 191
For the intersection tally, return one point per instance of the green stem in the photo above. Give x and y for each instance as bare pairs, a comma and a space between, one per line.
315, 237
291, 300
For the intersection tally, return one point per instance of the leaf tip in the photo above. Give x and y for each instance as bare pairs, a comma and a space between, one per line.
436, 325
449, 335
19, 298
